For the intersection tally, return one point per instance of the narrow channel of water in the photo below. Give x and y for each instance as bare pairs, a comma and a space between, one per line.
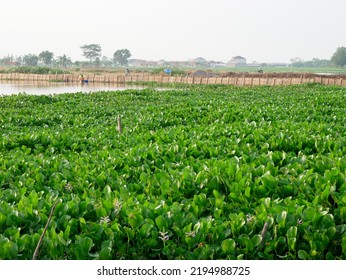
46, 88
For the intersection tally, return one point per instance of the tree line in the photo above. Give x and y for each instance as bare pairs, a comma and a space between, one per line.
338, 59
92, 52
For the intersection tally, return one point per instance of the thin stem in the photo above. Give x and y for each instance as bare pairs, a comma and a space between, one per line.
264, 230
34, 257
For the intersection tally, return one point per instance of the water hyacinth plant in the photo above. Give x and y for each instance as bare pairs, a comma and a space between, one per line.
206, 172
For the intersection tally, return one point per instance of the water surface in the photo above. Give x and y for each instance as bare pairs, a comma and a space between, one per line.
46, 88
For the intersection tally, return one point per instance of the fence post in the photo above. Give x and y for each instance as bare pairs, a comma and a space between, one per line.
120, 127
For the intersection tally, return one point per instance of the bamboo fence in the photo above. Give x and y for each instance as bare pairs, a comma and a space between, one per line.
243, 80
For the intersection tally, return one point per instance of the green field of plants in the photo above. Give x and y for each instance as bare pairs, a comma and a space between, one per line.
212, 172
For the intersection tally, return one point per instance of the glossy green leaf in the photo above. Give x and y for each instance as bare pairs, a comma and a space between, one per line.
303, 255
228, 245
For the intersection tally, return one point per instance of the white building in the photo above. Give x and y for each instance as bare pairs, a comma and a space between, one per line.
237, 61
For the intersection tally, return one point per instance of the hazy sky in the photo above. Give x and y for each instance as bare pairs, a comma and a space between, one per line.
265, 31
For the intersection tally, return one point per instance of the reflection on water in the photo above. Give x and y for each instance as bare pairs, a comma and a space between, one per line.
46, 88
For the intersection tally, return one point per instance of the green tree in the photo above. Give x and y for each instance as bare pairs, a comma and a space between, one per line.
30, 59
120, 57
297, 62
316, 62
92, 52
46, 57
64, 61
106, 62
339, 57
7, 60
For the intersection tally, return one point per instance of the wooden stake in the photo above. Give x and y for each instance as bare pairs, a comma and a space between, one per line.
264, 231
34, 257
120, 127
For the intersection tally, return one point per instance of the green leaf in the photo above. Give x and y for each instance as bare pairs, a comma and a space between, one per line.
291, 237
105, 253
256, 240
269, 181
135, 219
267, 202
168, 250
303, 255
343, 245
248, 192
39, 178
83, 246
145, 230
62, 239
161, 222
10, 250
292, 232
326, 192
228, 245
2, 219
281, 218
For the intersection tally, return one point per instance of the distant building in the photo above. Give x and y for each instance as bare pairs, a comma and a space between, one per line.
162, 62
12, 63
132, 62
199, 61
215, 64
237, 61
141, 63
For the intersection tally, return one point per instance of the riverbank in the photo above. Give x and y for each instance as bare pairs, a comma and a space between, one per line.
230, 78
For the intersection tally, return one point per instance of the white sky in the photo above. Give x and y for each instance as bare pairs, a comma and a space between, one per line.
265, 31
